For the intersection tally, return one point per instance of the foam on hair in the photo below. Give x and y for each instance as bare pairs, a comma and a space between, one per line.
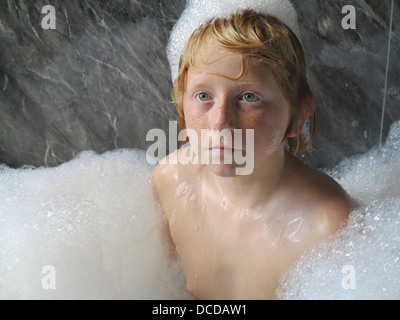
198, 12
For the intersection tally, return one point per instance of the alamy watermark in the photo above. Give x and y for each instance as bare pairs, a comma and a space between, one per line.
211, 147
349, 20
49, 279
49, 20
349, 278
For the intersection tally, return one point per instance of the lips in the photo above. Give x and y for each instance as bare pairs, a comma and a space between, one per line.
224, 149
219, 141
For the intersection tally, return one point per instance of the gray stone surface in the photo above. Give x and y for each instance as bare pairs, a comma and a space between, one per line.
101, 80
347, 74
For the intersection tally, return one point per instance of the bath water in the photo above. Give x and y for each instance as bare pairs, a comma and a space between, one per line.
92, 225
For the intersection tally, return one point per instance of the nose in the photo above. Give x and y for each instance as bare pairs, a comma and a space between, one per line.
223, 114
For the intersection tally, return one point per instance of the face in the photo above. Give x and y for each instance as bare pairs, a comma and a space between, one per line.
221, 98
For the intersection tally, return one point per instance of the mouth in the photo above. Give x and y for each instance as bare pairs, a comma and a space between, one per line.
224, 149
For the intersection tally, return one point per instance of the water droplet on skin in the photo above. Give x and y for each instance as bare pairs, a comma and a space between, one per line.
243, 213
164, 170
192, 197
186, 207
173, 218
182, 190
224, 203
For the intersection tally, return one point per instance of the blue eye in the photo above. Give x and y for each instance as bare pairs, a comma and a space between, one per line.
250, 97
203, 96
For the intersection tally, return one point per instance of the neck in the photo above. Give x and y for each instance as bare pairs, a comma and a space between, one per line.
250, 191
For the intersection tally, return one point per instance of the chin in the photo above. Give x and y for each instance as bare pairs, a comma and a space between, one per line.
223, 170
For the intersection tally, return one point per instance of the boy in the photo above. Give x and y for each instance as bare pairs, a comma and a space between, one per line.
236, 235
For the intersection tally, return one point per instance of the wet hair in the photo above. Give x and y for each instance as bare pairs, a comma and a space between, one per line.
263, 39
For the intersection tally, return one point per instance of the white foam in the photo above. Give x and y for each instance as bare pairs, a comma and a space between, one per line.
369, 245
93, 219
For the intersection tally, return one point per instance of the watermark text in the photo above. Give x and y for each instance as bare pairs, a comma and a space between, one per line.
211, 147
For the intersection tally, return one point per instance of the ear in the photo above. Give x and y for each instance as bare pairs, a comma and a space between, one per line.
306, 109
182, 126
296, 124
295, 129
181, 122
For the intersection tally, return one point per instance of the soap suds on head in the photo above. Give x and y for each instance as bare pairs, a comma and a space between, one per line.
198, 12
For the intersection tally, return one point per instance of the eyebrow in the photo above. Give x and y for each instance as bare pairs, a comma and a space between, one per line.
202, 84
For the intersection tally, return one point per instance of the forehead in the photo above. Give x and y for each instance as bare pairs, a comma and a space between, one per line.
213, 60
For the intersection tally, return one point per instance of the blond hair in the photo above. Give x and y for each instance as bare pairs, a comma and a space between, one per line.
263, 39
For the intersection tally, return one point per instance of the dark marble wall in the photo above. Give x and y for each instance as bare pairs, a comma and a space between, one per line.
101, 80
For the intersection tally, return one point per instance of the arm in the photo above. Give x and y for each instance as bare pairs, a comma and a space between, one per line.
159, 184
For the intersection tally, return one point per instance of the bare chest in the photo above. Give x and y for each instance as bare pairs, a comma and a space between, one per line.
226, 253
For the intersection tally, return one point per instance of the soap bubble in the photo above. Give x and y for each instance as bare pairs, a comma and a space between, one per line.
94, 220
370, 241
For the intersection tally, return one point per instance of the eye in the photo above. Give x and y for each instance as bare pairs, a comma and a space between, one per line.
203, 96
250, 97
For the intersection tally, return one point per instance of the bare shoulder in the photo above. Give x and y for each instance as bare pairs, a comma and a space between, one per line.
164, 176
167, 176
330, 213
164, 179
329, 203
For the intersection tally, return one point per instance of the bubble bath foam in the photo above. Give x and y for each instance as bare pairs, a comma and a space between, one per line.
89, 229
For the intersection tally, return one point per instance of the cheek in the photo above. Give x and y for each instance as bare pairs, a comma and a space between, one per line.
270, 134
269, 142
194, 123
